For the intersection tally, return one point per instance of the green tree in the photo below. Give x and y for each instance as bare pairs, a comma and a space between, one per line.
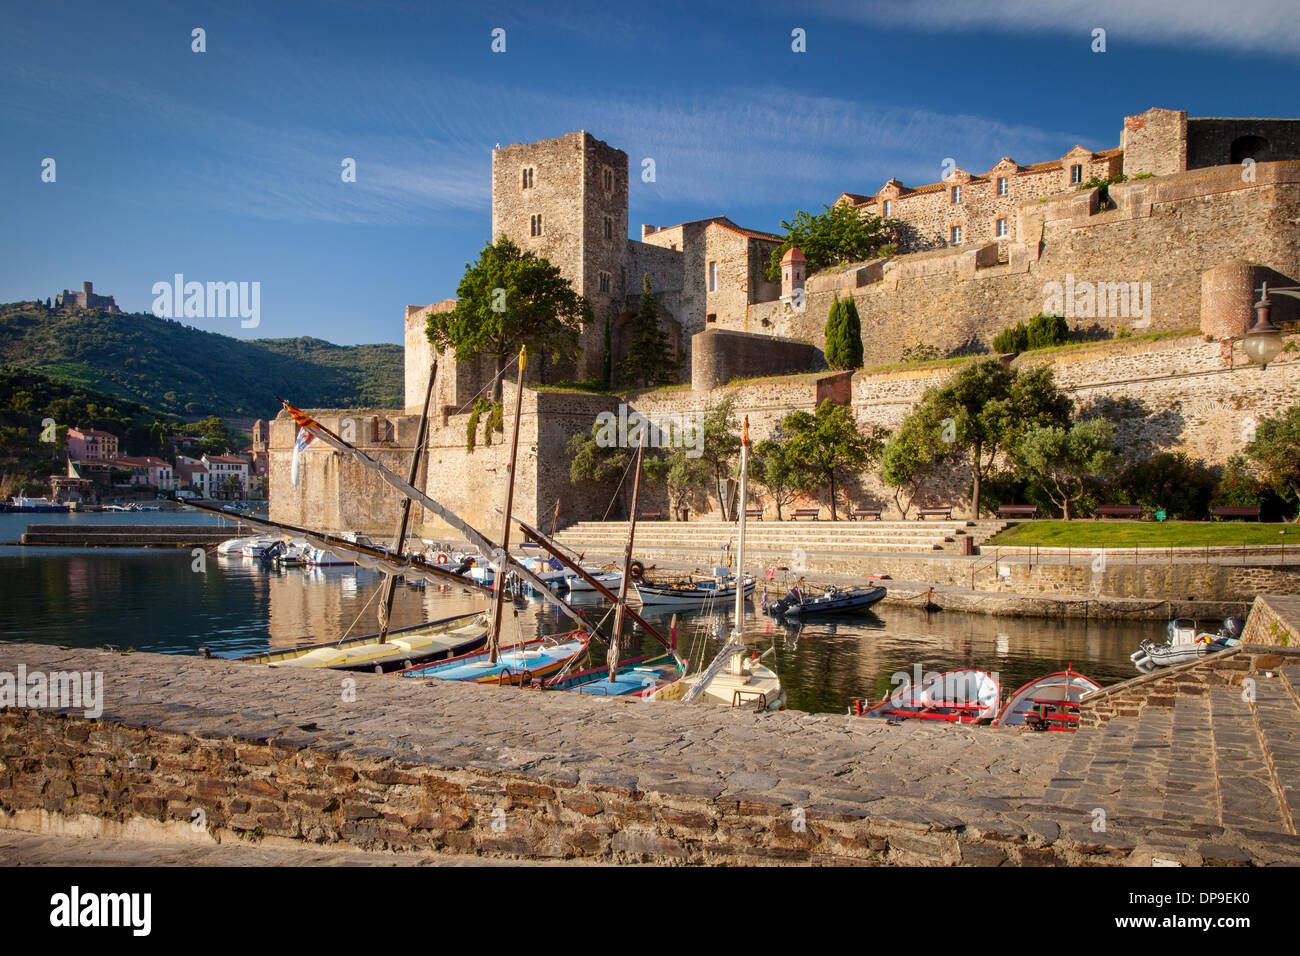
1276, 449
1062, 459
914, 454
1046, 330
840, 234
826, 445
649, 360
680, 473
719, 444
507, 299
1237, 487
844, 335
771, 467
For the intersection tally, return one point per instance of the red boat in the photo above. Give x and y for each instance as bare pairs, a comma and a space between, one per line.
966, 696
1049, 703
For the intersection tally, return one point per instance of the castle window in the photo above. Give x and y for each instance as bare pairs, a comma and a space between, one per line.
528, 178
956, 194
711, 317
609, 228
1000, 229
956, 235
1004, 185
604, 282
609, 179
887, 209
1076, 175
713, 277
535, 225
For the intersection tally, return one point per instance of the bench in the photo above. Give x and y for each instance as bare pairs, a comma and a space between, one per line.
943, 511
651, 515
1236, 511
754, 513
867, 513
1017, 511
813, 513
1119, 511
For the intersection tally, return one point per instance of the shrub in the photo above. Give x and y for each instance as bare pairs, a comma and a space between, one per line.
1012, 339
1170, 481
1046, 330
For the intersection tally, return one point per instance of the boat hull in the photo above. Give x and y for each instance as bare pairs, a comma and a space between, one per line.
967, 696
535, 660
664, 596
857, 599
639, 677
1050, 702
405, 647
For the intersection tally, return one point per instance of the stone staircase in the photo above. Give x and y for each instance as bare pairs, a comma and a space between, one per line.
1214, 764
697, 539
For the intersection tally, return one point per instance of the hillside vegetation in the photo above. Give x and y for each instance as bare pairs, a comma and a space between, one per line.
179, 370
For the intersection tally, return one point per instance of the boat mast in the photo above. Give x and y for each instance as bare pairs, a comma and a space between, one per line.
627, 565
740, 542
390, 581
499, 579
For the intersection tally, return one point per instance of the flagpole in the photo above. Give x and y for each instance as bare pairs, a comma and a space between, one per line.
390, 581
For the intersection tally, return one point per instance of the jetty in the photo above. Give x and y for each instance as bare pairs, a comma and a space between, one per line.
132, 535
1197, 765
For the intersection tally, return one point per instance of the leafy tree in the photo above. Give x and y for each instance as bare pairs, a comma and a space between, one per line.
590, 461
719, 443
649, 360
840, 234
507, 299
1062, 459
826, 445
1170, 481
1012, 339
914, 454
680, 473
772, 467
1046, 330
844, 335
1276, 449
1238, 487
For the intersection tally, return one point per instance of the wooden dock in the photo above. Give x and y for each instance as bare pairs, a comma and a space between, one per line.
132, 536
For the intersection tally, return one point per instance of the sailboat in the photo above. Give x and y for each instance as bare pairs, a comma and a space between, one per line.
639, 677
735, 678
527, 661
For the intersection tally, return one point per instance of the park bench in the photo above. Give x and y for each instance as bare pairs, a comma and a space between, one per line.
1017, 511
754, 513
652, 515
942, 511
1236, 511
1119, 511
867, 513
813, 513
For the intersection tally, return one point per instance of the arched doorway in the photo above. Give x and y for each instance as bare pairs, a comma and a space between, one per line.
1249, 147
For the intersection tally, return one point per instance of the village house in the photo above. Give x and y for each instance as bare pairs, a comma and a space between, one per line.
91, 443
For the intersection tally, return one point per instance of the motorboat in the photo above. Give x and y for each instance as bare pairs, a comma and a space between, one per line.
1184, 644
798, 602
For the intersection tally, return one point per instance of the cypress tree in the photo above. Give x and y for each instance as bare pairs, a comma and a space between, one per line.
649, 360
852, 324
836, 346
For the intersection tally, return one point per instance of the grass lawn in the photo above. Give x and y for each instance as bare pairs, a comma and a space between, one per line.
1144, 534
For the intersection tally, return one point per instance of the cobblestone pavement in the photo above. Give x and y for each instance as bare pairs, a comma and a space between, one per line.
1196, 785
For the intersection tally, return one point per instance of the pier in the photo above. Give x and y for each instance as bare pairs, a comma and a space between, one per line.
1176, 766
132, 535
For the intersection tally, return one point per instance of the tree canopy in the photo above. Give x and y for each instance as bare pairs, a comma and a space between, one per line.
507, 299
826, 445
1061, 458
1276, 449
649, 360
838, 235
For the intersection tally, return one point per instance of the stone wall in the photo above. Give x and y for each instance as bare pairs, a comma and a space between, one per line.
1211, 141
1274, 620
719, 355
1155, 142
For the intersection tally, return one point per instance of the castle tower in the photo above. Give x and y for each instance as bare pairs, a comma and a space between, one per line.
565, 200
793, 266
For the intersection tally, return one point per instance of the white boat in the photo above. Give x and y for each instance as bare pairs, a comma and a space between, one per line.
1049, 703
693, 593
1184, 644
966, 696
260, 547
320, 558
611, 580
233, 545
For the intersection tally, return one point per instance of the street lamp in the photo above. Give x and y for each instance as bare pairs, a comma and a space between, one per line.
1263, 341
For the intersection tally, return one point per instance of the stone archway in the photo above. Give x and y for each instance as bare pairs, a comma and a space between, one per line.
1249, 147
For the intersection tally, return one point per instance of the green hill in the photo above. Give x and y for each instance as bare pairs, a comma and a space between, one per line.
183, 371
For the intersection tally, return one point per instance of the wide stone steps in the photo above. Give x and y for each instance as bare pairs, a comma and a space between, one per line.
1278, 719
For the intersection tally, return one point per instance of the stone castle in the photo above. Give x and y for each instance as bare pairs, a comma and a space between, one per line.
85, 299
1209, 209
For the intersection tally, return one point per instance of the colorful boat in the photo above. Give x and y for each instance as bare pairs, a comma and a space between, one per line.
521, 664
636, 677
965, 696
691, 593
1049, 703
404, 648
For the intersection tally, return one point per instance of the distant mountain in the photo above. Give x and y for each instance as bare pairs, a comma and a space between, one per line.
184, 371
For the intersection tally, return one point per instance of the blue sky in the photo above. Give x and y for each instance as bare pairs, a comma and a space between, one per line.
225, 165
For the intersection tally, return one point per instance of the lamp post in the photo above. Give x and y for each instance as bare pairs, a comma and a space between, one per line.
1263, 341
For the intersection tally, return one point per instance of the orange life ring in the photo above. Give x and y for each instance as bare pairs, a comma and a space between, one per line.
442, 557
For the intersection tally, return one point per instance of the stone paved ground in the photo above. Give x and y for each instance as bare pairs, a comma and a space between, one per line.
1194, 786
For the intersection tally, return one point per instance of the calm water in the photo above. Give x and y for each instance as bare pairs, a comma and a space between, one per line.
154, 600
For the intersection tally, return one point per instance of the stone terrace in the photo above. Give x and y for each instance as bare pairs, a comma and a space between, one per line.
410, 767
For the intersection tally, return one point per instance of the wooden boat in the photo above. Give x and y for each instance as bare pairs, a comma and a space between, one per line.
576, 585
403, 648
967, 696
691, 593
534, 660
1050, 702
799, 603
636, 677
1184, 644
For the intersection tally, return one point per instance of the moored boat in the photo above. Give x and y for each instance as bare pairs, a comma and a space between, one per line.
23, 504
967, 695
404, 648
1050, 702
520, 664
800, 603
1184, 644
692, 593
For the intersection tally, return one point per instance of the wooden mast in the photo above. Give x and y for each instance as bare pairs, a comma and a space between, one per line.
499, 579
390, 582
627, 565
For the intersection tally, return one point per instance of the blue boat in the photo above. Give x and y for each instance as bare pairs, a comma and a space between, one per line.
522, 664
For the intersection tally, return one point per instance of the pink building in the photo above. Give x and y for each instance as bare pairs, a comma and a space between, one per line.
192, 475
149, 472
89, 443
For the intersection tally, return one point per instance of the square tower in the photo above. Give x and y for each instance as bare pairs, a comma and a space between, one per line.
565, 200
